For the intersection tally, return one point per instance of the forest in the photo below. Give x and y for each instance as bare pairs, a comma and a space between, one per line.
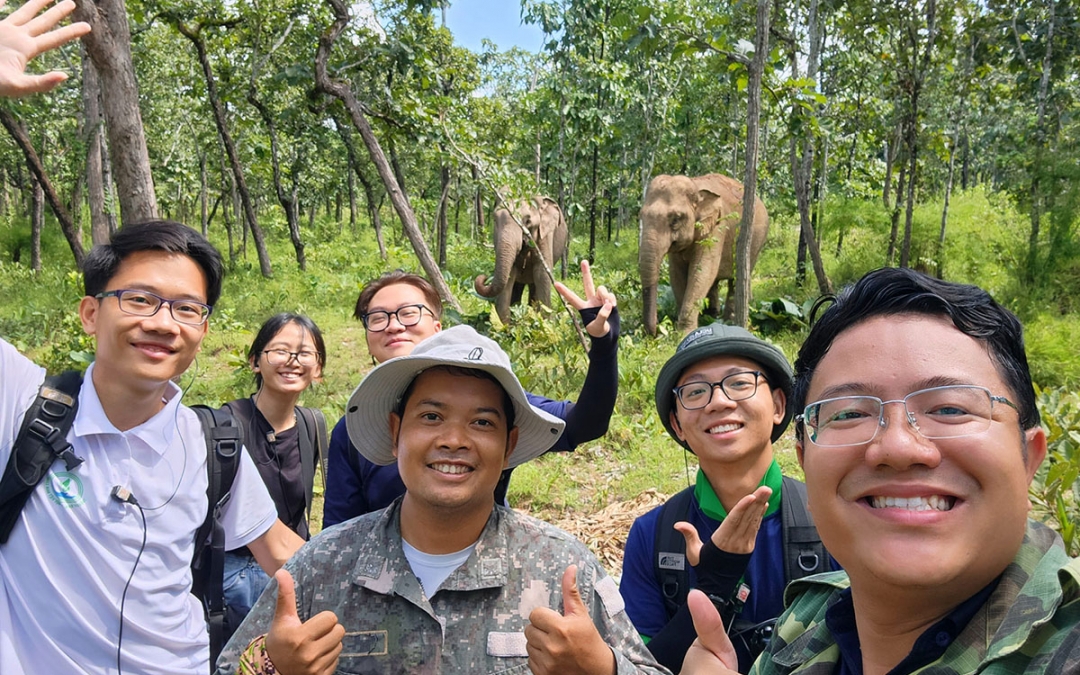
319, 143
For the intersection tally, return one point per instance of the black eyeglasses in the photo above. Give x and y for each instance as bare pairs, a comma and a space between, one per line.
377, 320
145, 303
279, 357
737, 387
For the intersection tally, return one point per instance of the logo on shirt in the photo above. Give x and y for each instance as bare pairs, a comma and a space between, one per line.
65, 489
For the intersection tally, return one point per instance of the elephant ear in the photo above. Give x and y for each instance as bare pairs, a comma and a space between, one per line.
708, 206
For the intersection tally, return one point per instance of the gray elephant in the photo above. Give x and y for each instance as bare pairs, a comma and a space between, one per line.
517, 263
695, 222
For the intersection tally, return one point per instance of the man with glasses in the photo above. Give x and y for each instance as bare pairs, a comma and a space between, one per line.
919, 436
723, 396
400, 310
95, 575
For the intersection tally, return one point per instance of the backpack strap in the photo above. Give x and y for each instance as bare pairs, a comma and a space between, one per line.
308, 438
669, 562
804, 554
223, 443
42, 439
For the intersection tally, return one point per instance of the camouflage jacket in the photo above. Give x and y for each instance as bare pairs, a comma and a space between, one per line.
1030, 624
474, 623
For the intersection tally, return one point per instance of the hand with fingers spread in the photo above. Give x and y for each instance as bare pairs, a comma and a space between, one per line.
567, 643
737, 534
712, 652
594, 297
23, 35
301, 647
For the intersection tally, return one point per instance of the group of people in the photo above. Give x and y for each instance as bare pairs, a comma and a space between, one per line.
915, 425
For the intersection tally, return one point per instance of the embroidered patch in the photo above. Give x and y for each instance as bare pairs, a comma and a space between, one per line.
610, 596
364, 643
65, 488
506, 644
672, 561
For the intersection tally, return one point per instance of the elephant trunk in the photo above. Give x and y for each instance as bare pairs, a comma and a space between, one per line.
649, 269
508, 243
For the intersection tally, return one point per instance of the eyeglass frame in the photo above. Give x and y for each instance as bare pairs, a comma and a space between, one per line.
909, 416
395, 315
118, 293
758, 376
291, 356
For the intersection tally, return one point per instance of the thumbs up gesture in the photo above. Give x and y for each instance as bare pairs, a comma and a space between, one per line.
567, 643
301, 647
712, 652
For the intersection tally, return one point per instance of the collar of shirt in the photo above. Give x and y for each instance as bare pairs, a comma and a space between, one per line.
157, 432
710, 503
930, 646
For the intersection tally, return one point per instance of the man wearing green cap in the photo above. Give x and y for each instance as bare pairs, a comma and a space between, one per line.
723, 396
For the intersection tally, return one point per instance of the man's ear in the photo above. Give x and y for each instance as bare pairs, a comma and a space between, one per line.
779, 405
438, 326
1035, 452
395, 429
799, 454
88, 313
511, 443
674, 419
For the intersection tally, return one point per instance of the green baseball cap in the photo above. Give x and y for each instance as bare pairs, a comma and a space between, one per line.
721, 340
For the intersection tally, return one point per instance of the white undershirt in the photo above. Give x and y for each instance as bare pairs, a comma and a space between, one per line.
433, 569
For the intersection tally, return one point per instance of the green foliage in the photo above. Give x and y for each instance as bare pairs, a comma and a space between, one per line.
1056, 486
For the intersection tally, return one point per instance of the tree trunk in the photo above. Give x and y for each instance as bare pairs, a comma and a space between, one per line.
894, 232
753, 119
108, 44
478, 201
352, 199
441, 219
194, 35
1040, 145
204, 193
945, 209
288, 204
369, 189
919, 71
37, 222
18, 133
93, 121
397, 197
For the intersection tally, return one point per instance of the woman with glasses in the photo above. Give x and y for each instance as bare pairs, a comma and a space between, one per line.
285, 440
399, 310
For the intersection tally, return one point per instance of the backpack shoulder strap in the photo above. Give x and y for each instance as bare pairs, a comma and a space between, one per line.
804, 554
669, 561
223, 443
309, 452
42, 439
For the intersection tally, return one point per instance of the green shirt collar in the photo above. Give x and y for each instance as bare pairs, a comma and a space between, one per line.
710, 503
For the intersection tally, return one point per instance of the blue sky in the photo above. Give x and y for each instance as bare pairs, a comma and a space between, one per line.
497, 20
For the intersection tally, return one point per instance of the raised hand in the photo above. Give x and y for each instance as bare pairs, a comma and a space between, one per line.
567, 643
301, 647
712, 652
24, 35
738, 532
594, 297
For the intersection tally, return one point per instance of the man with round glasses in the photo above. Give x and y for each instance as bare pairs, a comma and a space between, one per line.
919, 437
723, 396
399, 311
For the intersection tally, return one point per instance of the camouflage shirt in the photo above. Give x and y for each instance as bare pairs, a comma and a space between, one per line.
1030, 624
474, 623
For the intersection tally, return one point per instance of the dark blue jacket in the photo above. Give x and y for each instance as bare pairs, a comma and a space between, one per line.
355, 486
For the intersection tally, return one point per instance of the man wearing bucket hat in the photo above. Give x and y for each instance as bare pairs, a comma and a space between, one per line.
443, 580
723, 396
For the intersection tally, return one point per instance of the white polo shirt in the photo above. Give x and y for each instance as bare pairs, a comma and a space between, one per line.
64, 568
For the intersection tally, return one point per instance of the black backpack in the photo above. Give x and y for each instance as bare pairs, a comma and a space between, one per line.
804, 554
42, 439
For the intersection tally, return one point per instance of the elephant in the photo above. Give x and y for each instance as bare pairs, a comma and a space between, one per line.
694, 220
517, 263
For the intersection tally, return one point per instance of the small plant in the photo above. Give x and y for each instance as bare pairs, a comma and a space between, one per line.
1055, 488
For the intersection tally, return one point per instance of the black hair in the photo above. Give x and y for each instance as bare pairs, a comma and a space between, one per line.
508, 403
273, 326
891, 291
104, 260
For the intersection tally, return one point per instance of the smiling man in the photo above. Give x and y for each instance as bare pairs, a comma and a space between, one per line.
443, 580
919, 437
723, 396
